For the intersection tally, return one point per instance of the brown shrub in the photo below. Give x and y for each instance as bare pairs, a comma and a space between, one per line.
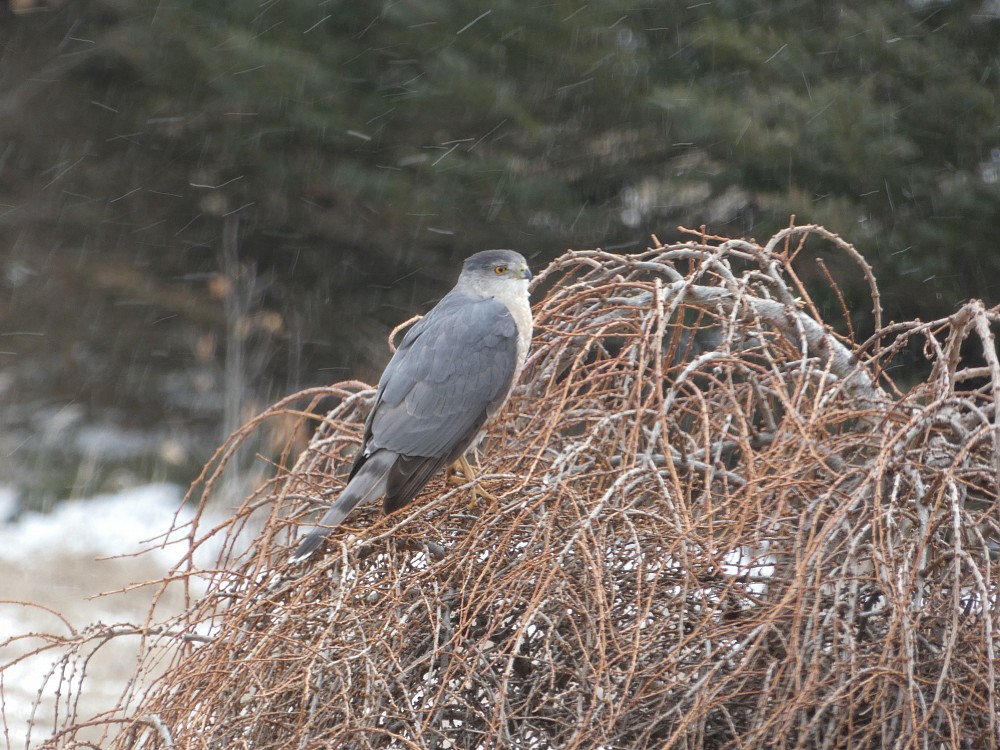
719, 524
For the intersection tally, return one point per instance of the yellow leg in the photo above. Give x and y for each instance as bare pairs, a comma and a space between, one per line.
463, 466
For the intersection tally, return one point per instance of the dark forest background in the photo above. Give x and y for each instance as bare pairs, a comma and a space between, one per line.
207, 205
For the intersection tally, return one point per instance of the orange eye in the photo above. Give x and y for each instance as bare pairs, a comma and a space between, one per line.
500, 270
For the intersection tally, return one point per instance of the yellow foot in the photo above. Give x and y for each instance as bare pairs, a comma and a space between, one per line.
463, 467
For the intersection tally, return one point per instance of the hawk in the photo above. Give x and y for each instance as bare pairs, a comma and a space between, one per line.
453, 371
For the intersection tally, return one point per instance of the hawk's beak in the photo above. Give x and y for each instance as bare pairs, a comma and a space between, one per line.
525, 273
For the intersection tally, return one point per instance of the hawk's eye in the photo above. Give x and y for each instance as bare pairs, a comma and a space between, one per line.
500, 270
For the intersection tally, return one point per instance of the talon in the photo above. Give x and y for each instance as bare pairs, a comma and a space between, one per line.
463, 466
478, 492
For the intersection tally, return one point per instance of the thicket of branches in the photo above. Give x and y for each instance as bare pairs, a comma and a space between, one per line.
718, 524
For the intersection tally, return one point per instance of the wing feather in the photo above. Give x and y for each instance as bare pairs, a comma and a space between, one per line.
452, 371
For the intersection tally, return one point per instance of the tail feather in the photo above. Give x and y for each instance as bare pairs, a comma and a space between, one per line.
366, 485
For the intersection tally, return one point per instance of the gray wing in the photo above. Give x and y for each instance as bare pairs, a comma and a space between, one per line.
452, 371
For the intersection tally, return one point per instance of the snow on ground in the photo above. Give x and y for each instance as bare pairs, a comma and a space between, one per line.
53, 560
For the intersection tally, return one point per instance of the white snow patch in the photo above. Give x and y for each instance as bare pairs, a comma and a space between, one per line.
106, 525
59, 560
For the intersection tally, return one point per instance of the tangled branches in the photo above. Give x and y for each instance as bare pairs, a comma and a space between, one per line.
719, 524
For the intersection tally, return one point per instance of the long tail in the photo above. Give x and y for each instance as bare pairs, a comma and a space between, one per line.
368, 484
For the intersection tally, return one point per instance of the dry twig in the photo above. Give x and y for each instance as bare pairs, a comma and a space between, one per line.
719, 526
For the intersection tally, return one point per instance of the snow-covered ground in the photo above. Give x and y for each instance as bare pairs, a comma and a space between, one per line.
56, 561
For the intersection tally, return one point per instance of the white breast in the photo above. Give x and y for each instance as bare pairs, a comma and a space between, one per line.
520, 308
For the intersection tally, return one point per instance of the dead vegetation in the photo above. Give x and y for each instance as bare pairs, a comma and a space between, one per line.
719, 525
